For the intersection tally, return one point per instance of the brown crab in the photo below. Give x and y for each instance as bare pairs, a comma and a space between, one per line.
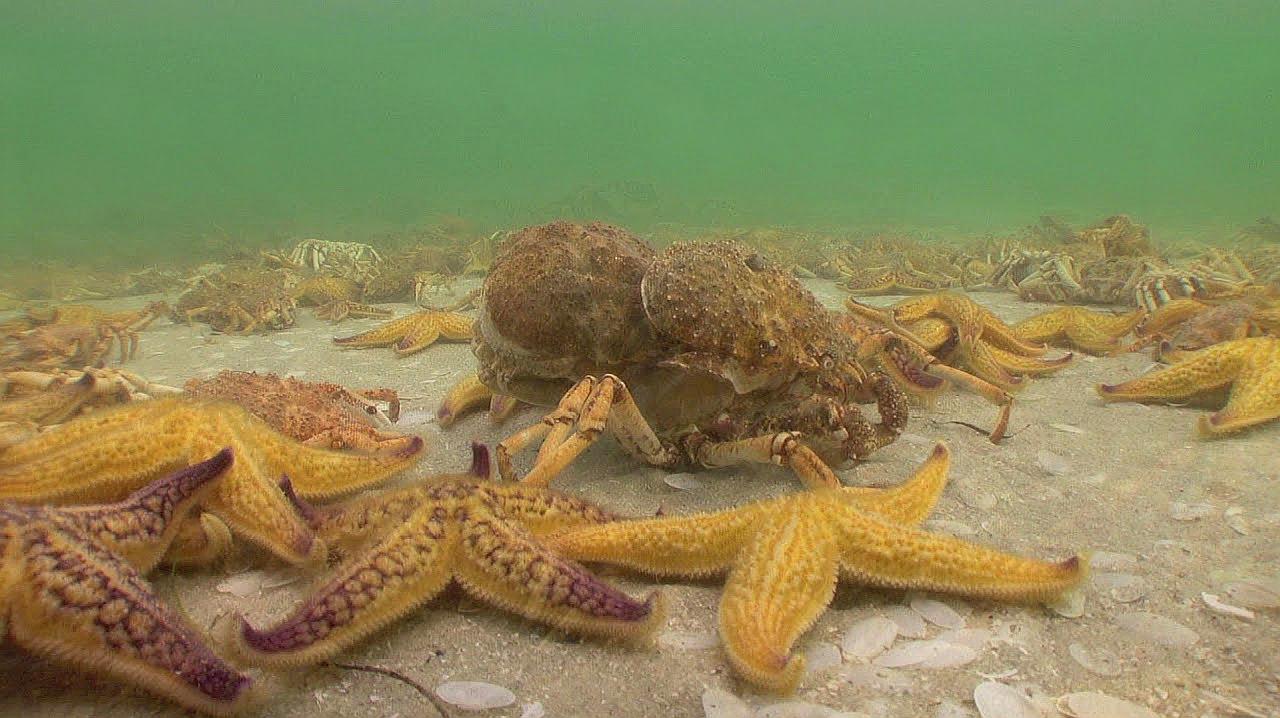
706, 355
318, 414
33, 400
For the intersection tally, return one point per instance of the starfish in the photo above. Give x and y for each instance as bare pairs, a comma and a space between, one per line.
1092, 332
784, 556
104, 456
413, 332
73, 591
1250, 368
408, 545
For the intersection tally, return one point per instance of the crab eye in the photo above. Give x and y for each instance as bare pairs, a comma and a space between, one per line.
756, 263
371, 410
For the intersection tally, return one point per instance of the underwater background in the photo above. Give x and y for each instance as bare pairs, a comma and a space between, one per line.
130, 127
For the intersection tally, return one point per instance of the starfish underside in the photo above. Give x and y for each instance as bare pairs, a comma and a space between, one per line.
469, 394
406, 546
783, 558
1248, 369
72, 591
413, 333
104, 456
1097, 333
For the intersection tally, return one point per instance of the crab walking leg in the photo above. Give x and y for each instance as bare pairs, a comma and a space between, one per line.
558, 450
633, 432
985, 389
565, 413
783, 448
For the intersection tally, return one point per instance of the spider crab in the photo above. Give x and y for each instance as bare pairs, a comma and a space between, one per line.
705, 355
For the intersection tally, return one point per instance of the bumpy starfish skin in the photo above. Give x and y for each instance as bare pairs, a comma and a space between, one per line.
1250, 367
413, 333
784, 557
104, 456
72, 591
406, 546
1089, 331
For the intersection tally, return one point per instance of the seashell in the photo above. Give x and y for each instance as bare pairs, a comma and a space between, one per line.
1069, 605
1100, 705
800, 709
869, 637
951, 709
910, 624
950, 655
1122, 587
976, 499
1068, 428
1215, 604
243, 585
946, 526
533, 710
718, 703
1052, 463
910, 653
688, 640
1158, 629
475, 695
820, 657
975, 638
1095, 660
684, 482
1254, 593
937, 613
998, 700
1108, 561
1180, 511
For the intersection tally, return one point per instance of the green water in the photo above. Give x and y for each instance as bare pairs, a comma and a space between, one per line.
133, 124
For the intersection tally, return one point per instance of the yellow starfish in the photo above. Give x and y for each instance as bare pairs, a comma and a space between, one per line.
413, 333
783, 558
470, 393
104, 456
1249, 367
1093, 332
408, 545
71, 590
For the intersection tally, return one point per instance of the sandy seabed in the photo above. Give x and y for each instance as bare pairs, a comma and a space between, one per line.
1122, 480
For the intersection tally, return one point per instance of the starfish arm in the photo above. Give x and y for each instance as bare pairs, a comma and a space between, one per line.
780, 584
199, 541
503, 564
423, 334
998, 334
1045, 327
468, 394
100, 457
1255, 397
1206, 371
456, 327
879, 553
348, 524
910, 502
984, 364
380, 336
545, 512
931, 332
1027, 366
404, 570
79, 604
141, 527
1171, 315
692, 546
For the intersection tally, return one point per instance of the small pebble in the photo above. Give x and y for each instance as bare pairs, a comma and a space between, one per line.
869, 637
1101, 705
1158, 629
475, 695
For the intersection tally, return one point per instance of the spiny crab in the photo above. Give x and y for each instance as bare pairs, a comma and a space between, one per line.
707, 354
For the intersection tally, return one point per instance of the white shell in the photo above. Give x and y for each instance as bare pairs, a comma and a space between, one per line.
910, 624
1215, 604
1052, 463
1180, 511
997, 700
717, 703
820, 657
1158, 629
1122, 587
475, 695
684, 482
1253, 593
937, 613
1101, 705
869, 637
1095, 660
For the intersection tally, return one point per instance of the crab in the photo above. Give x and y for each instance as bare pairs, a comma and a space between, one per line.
119, 328
1188, 325
706, 355
55, 346
334, 299
33, 400
239, 300
350, 260
318, 414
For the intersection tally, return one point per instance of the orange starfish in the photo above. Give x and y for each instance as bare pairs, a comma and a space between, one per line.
413, 333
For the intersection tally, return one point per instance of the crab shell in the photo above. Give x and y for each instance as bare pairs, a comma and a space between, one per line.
704, 334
